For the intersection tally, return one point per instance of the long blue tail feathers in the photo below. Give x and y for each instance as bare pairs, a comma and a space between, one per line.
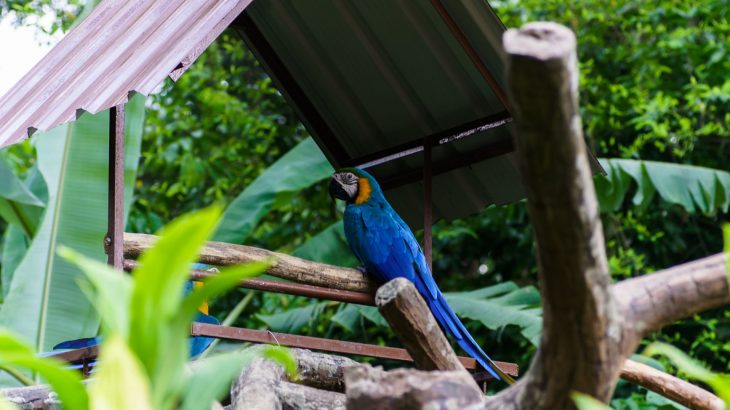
451, 324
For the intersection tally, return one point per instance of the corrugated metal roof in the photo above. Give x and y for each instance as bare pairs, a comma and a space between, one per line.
121, 47
377, 77
370, 79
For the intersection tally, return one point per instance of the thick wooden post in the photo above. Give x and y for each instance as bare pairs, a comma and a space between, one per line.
412, 321
115, 207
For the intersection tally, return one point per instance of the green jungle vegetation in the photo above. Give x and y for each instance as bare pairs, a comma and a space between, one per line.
655, 98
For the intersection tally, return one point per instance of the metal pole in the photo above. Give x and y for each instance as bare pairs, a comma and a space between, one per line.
427, 203
115, 206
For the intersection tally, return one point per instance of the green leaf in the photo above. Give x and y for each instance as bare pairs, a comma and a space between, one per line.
66, 383
15, 245
223, 281
293, 320
211, 377
157, 329
347, 316
17, 202
586, 402
726, 238
694, 188
350, 314
299, 168
120, 382
328, 246
110, 291
501, 305
44, 303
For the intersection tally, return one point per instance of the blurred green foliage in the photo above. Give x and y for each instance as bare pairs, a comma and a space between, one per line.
145, 321
653, 86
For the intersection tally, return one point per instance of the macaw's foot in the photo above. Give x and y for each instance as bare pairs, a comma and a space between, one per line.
362, 269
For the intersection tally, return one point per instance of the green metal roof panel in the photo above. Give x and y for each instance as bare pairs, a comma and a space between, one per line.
380, 72
373, 79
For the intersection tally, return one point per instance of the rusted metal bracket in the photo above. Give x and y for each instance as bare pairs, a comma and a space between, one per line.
427, 204
317, 343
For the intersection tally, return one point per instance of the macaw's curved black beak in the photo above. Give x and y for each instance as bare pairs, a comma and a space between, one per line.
336, 190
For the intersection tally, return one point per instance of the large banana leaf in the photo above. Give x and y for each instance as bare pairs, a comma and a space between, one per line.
329, 246
44, 304
15, 245
299, 168
17, 239
501, 305
17, 202
694, 188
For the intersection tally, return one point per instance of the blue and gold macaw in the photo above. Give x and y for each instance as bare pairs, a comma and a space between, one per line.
198, 344
387, 248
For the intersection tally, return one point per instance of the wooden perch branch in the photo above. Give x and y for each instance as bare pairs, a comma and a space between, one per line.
684, 393
412, 321
651, 301
31, 397
707, 274
576, 352
285, 266
263, 385
370, 388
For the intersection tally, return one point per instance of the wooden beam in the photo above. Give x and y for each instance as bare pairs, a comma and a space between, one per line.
684, 393
412, 321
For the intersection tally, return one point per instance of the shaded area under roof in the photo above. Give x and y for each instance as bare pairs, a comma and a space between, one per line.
374, 79
371, 80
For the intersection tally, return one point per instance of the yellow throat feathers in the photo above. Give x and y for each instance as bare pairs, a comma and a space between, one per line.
363, 190
204, 307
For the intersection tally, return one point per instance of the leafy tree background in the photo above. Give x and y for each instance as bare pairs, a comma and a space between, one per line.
653, 86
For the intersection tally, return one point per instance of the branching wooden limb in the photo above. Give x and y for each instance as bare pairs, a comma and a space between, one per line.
651, 301
581, 337
264, 384
370, 388
32, 397
589, 327
684, 393
412, 321
323, 371
296, 396
255, 388
284, 266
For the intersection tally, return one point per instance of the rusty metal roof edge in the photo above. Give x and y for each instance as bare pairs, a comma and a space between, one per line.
44, 97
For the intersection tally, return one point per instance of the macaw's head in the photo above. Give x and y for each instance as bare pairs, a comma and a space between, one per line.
352, 185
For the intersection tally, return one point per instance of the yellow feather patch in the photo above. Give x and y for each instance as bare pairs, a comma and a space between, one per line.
204, 307
363, 190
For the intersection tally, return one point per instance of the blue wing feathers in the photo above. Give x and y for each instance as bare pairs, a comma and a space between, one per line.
387, 248
78, 343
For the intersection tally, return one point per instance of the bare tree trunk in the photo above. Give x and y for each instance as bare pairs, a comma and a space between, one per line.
590, 327
576, 351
